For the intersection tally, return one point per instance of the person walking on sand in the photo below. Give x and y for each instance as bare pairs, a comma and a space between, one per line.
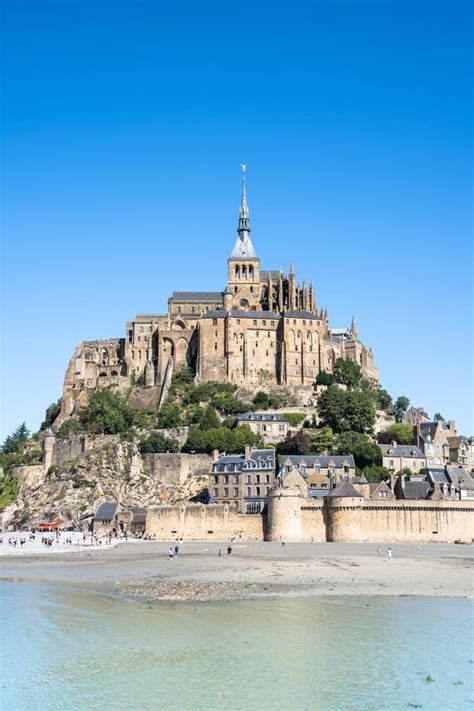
229, 550
170, 552
220, 553
389, 553
176, 549
379, 550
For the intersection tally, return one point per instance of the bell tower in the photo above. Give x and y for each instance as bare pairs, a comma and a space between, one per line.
243, 265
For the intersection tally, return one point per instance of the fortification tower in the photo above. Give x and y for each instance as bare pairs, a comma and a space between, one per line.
284, 515
344, 513
48, 448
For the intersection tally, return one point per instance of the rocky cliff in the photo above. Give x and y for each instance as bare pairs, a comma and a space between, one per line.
71, 490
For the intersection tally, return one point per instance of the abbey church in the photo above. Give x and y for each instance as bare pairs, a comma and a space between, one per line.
264, 329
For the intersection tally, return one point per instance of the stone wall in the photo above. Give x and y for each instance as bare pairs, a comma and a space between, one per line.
402, 521
177, 469
66, 449
198, 522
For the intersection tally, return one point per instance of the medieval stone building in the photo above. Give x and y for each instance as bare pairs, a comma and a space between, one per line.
263, 329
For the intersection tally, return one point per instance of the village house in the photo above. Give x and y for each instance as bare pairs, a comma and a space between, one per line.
415, 416
433, 440
105, 520
461, 451
396, 457
271, 426
318, 471
243, 479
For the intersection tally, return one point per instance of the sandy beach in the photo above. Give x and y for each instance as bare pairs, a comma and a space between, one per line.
143, 571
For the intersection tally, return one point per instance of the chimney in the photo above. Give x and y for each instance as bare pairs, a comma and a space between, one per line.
215, 455
393, 443
248, 451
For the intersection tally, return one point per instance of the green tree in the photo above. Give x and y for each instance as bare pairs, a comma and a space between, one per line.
230, 405
322, 440
300, 443
402, 404
347, 372
209, 419
51, 413
324, 378
383, 400
9, 488
107, 413
222, 439
15, 442
375, 474
68, 428
261, 401
366, 454
438, 417
170, 415
401, 433
157, 442
346, 410
346, 441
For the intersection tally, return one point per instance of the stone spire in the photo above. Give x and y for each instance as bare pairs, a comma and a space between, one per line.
244, 218
304, 299
243, 247
353, 329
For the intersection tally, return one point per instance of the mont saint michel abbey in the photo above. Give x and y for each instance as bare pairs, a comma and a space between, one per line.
264, 329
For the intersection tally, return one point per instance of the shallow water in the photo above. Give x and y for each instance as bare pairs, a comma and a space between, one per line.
68, 649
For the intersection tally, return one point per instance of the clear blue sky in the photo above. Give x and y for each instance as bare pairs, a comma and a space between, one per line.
124, 125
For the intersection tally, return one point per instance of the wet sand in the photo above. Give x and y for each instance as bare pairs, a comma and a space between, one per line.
142, 570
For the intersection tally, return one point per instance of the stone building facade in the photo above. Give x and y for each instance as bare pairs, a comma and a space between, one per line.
243, 479
264, 328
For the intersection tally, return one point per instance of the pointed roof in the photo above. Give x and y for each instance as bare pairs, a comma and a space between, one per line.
243, 247
353, 328
344, 489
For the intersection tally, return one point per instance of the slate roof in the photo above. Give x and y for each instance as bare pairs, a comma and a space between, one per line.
401, 450
415, 490
312, 460
274, 273
302, 314
261, 417
438, 475
263, 459
344, 489
360, 480
106, 511
271, 315
198, 296
243, 247
49, 433
382, 486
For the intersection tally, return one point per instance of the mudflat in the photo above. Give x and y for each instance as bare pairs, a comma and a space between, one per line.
143, 570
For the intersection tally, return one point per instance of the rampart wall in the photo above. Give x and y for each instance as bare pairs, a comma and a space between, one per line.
291, 517
198, 522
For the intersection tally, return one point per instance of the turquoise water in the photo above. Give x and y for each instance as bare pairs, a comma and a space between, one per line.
66, 649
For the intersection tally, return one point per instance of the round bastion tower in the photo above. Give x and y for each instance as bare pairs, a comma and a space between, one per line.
344, 505
284, 515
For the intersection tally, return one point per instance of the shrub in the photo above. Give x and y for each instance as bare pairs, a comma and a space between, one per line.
170, 415
324, 378
69, 428
9, 488
157, 442
375, 474
51, 413
403, 434
107, 413
222, 439
294, 418
230, 405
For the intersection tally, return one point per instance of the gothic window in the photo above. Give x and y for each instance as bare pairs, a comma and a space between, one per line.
250, 271
244, 304
237, 271
214, 322
105, 357
235, 289
215, 346
254, 323
251, 289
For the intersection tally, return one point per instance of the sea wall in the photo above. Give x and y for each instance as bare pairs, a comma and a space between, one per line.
198, 522
291, 517
402, 521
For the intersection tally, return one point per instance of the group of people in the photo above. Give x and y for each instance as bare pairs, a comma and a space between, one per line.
389, 552
173, 551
